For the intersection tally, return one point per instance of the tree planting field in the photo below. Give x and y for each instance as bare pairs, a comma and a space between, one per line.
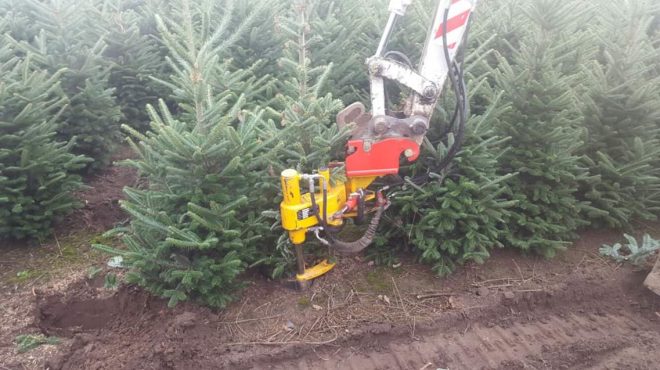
141, 143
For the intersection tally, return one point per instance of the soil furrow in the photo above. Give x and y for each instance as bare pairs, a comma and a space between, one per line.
572, 334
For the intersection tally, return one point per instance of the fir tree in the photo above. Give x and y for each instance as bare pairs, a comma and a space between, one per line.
36, 182
306, 134
197, 223
232, 83
543, 124
306, 130
17, 22
261, 46
452, 215
344, 34
621, 104
136, 57
461, 212
66, 41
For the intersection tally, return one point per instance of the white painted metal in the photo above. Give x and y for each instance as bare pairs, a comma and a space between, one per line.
399, 6
386, 34
433, 64
433, 69
395, 71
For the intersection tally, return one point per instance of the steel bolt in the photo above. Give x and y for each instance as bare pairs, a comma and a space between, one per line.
430, 92
380, 125
419, 127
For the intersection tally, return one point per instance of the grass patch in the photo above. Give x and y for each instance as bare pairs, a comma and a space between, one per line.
24, 276
26, 342
52, 257
304, 302
379, 280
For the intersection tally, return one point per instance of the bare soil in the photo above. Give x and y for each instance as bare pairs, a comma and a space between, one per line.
576, 311
514, 312
101, 210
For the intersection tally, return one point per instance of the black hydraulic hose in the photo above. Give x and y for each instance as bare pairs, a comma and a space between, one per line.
365, 240
357, 245
315, 208
457, 106
452, 121
342, 246
325, 204
401, 56
454, 73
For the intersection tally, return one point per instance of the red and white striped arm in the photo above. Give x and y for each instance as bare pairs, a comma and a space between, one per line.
433, 66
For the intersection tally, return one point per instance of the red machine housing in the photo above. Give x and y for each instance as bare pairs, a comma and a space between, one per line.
382, 158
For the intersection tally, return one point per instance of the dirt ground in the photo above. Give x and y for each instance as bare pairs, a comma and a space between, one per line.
576, 311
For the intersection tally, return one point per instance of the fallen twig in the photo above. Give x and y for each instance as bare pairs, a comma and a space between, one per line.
522, 277
403, 307
59, 247
501, 285
313, 326
602, 260
584, 256
396, 289
319, 356
481, 283
433, 295
247, 320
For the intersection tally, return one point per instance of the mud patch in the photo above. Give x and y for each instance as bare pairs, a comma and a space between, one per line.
64, 316
101, 210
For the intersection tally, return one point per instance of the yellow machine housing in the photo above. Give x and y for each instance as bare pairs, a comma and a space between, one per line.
296, 208
298, 216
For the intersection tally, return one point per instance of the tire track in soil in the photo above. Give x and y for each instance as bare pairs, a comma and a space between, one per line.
571, 340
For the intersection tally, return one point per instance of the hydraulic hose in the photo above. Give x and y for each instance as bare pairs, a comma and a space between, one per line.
339, 245
364, 241
454, 73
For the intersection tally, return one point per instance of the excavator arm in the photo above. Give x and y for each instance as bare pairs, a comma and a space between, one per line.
379, 138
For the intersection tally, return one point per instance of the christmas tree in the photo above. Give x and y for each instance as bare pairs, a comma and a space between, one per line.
36, 179
136, 57
67, 41
544, 126
344, 34
621, 105
306, 129
197, 225
16, 19
459, 212
304, 111
452, 213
